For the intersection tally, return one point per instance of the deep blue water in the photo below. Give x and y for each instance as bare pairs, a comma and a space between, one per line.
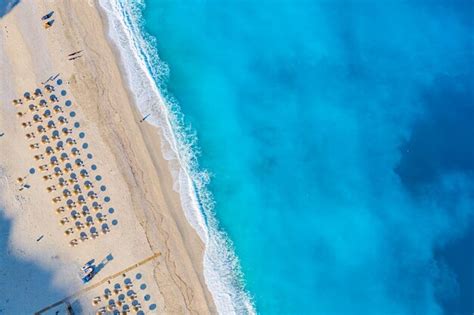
340, 139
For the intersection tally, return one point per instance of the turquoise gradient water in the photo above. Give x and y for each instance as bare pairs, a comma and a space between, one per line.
339, 136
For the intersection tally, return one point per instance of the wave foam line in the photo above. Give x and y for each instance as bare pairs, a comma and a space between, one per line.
146, 74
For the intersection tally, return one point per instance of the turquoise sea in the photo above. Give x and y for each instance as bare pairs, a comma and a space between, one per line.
339, 139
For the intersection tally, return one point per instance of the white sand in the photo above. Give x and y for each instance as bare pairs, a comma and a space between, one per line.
150, 219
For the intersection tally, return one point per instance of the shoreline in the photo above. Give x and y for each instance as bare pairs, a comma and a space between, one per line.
143, 181
152, 136
220, 276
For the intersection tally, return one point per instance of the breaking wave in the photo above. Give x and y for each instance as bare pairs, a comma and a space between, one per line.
146, 75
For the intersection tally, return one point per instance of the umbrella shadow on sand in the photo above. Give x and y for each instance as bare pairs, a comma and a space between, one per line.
102, 264
6, 6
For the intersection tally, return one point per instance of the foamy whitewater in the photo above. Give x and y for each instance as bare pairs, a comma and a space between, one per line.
338, 137
144, 71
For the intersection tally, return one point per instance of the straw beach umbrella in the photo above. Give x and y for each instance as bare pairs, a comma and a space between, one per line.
48, 24
79, 225
57, 109
89, 221
96, 300
49, 150
45, 139
51, 125
47, 113
44, 167
70, 141
51, 188
62, 120
85, 210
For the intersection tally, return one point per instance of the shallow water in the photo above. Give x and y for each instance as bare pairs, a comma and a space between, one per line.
339, 138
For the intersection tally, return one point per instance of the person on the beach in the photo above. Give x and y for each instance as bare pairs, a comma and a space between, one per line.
48, 24
47, 16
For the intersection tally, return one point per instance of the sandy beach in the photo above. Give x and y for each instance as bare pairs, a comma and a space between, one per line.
127, 184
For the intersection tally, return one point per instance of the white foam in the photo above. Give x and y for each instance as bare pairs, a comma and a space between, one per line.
145, 72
